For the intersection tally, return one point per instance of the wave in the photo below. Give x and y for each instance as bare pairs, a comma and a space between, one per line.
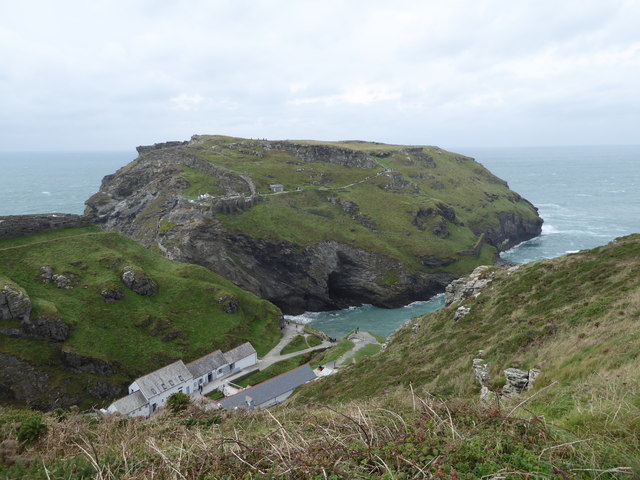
548, 229
583, 195
45, 193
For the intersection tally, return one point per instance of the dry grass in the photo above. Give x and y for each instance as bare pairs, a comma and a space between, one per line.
401, 435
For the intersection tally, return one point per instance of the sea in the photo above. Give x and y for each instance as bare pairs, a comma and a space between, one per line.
587, 196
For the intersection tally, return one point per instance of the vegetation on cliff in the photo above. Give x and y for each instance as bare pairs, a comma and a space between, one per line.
106, 310
412, 411
357, 222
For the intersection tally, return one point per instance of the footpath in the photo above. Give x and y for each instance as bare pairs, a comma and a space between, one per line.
273, 356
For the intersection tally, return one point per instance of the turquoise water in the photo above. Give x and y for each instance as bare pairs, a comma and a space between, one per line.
586, 195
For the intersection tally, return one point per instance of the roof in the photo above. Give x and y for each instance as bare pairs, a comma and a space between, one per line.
206, 364
270, 389
238, 353
163, 379
131, 402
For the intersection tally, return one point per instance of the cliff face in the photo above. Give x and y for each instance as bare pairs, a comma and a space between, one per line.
357, 222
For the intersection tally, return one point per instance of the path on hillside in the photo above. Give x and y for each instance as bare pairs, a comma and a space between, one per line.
289, 331
360, 339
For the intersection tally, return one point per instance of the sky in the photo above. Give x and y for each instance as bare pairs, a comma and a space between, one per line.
114, 74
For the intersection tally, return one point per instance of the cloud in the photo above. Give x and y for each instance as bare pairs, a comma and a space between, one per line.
112, 74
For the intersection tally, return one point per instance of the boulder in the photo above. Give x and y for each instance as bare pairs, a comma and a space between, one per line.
62, 281
481, 371
136, 280
461, 312
111, 295
469, 286
14, 302
518, 381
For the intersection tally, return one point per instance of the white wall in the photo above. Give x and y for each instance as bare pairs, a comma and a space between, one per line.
245, 362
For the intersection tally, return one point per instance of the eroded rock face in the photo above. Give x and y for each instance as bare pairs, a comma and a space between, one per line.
469, 286
518, 381
145, 202
14, 303
136, 280
77, 363
46, 328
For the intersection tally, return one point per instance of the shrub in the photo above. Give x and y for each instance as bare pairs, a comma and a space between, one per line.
178, 402
31, 430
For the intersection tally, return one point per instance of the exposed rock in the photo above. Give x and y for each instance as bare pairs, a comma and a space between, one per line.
229, 304
46, 328
487, 395
146, 201
62, 281
14, 303
103, 390
77, 363
19, 225
46, 274
461, 312
111, 295
481, 371
469, 286
518, 381
136, 280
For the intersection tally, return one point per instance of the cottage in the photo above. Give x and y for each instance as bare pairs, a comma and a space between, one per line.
270, 392
149, 393
277, 188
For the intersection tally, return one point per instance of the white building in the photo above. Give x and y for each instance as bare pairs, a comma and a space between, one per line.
149, 393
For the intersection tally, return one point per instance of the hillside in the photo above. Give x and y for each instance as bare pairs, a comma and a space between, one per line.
356, 223
413, 410
83, 312
574, 318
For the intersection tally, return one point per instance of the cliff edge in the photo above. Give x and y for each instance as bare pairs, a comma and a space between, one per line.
316, 225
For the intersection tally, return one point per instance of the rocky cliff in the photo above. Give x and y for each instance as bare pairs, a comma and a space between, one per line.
356, 223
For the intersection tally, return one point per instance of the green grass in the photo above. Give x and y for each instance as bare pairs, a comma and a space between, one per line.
366, 351
301, 342
334, 353
138, 334
576, 318
314, 214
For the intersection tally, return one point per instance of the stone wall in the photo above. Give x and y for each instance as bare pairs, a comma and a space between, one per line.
18, 225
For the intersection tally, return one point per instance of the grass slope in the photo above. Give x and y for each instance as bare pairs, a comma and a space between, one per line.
185, 319
576, 318
353, 205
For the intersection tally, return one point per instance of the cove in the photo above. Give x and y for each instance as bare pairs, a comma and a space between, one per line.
380, 321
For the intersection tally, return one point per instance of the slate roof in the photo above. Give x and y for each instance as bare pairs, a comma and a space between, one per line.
206, 364
131, 402
238, 353
265, 391
163, 379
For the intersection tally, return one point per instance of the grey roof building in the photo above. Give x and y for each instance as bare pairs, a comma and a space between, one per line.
163, 379
240, 352
130, 403
207, 364
270, 392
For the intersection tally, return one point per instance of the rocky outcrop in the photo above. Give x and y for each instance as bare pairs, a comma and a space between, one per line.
45, 328
111, 295
470, 286
14, 302
136, 280
76, 363
518, 381
146, 201
19, 225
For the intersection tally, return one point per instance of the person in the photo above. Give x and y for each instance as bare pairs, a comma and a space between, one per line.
200, 389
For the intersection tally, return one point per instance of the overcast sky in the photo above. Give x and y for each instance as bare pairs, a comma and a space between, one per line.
113, 74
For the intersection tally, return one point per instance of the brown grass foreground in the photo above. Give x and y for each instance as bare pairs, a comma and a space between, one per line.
402, 435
